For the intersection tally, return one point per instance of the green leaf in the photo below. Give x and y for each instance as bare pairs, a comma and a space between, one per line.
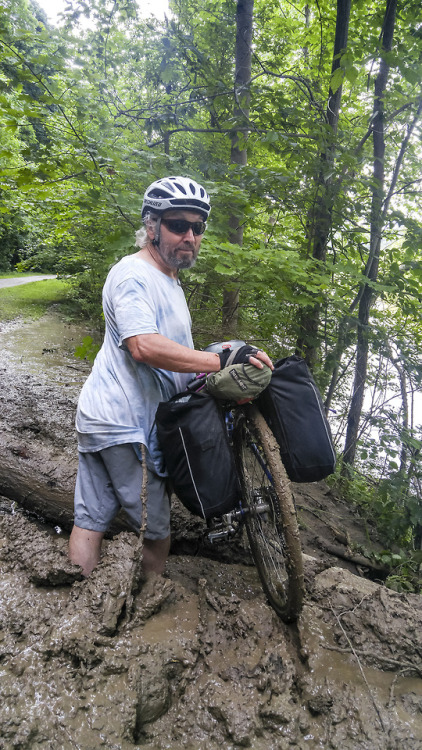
411, 75
219, 268
351, 74
336, 80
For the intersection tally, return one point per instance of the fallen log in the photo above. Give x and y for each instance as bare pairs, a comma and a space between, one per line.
36, 491
343, 553
38, 449
38, 485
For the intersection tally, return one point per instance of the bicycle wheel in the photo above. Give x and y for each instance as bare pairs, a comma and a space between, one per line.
270, 514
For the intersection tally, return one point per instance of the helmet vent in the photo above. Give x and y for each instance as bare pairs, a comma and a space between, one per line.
169, 186
160, 193
180, 187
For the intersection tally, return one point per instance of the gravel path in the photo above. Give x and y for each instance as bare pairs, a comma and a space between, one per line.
24, 280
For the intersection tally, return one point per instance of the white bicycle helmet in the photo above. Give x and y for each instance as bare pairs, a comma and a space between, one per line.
176, 192
218, 347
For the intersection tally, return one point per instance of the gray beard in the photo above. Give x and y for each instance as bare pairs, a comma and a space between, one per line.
179, 263
174, 262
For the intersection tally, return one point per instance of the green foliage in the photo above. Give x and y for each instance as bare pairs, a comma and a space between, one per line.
85, 290
405, 576
88, 349
388, 506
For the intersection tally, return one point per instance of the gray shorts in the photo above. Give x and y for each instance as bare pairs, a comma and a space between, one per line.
112, 479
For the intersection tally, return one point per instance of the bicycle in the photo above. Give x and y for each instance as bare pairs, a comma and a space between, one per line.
266, 509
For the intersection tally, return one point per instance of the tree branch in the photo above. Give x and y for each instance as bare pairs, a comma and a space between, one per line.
71, 126
400, 158
352, 648
224, 132
59, 179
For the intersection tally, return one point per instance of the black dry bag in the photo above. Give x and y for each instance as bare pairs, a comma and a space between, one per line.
293, 408
197, 454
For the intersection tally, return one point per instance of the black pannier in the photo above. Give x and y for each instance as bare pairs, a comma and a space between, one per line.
197, 454
293, 408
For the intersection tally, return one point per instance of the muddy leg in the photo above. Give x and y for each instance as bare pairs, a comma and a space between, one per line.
155, 554
85, 548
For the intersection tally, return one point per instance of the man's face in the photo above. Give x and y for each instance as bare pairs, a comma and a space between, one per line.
179, 250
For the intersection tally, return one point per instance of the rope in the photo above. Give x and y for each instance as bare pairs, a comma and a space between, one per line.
135, 573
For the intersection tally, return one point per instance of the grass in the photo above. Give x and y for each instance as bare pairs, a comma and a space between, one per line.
31, 301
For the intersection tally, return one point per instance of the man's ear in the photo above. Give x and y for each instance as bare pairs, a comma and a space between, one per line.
150, 229
155, 238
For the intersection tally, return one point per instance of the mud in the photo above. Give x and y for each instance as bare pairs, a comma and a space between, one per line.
39, 384
195, 659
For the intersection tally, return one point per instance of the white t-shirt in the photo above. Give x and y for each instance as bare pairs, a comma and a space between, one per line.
119, 399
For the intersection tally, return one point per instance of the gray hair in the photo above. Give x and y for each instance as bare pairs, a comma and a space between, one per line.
141, 234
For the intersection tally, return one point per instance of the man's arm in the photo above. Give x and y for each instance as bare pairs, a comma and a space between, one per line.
158, 351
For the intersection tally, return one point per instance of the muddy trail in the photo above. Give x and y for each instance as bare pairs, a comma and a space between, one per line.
195, 659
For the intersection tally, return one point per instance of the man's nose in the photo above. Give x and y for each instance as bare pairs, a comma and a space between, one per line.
189, 235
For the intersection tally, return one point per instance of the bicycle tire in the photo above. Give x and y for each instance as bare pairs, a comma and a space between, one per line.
273, 535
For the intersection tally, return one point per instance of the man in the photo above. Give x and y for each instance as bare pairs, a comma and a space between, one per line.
147, 356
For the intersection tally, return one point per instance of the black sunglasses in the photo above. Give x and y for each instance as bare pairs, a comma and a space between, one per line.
181, 226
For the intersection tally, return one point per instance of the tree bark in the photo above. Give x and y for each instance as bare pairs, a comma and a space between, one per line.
34, 475
347, 323
321, 219
401, 373
239, 154
377, 219
38, 449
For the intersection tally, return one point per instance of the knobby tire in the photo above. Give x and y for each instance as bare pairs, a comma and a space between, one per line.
273, 535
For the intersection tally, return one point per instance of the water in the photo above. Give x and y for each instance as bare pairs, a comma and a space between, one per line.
46, 347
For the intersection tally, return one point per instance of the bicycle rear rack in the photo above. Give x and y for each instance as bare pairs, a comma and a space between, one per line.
225, 526
228, 525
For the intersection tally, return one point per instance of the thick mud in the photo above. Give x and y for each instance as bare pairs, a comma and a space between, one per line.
195, 659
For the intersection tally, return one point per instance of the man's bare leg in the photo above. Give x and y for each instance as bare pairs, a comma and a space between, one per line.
85, 548
155, 554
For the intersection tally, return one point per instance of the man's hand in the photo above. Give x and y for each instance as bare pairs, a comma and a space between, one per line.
259, 358
245, 354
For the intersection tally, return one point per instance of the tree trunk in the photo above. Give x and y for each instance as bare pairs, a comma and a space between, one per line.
239, 154
377, 219
347, 323
320, 221
401, 373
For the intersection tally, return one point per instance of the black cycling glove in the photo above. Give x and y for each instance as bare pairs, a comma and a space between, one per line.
237, 356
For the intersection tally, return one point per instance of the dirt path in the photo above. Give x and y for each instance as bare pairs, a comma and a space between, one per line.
196, 659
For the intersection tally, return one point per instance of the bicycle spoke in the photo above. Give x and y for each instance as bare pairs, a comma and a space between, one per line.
269, 515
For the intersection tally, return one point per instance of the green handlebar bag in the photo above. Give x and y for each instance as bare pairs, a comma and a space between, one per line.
242, 382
